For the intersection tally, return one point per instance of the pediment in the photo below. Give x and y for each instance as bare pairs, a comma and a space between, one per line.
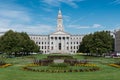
60, 33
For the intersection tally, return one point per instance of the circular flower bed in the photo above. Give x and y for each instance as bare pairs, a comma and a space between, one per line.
5, 65
58, 68
60, 63
116, 64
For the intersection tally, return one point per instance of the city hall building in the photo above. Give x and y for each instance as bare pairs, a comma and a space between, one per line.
58, 41
117, 41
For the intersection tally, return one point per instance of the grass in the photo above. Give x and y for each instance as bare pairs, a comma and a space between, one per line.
15, 73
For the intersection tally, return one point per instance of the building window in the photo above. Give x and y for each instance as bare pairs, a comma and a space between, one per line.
71, 47
63, 38
74, 47
42, 47
51, 47
67, 42
67, 37
51, 37
67, 48
45, 47
39, 42
42, 42
59, 46
71, 42
77, 42
51, 42
74, 42
59, 38
36, 42
45, 42
55, 38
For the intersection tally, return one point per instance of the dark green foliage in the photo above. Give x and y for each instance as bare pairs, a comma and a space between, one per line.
59, 65
97, 43
117, 62
60, 57
43, 62
2, 62
17, 43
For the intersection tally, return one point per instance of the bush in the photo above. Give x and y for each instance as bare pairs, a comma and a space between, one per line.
2, 63
118, 62
59, 57
61, 65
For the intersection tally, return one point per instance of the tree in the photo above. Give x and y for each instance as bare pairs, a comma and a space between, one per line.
17, 43
97, 43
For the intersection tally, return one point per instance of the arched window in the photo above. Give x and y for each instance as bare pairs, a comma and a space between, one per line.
59, 38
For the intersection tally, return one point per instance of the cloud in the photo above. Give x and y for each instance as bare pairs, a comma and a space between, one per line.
66, 18
116, 1
77, 26
96, 26
32, 29
17, 18
14, 15
57, 3
85, 27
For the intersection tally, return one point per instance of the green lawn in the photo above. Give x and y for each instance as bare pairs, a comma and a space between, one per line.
16, 73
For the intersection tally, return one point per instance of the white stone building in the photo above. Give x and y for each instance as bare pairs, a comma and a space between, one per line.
58, 41
117, 41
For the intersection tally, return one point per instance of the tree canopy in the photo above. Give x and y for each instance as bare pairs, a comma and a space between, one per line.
97, 43
15, 43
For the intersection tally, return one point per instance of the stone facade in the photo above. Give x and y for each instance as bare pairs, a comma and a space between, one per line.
117, 41
59, 41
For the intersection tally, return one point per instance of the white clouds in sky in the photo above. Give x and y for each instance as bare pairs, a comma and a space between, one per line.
14, 15
17, 18
49, 4
85, 27
35, 29
57, 3
116, 1
31, 29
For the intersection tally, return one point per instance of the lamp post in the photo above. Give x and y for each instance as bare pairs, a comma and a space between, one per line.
22, 51
97, 50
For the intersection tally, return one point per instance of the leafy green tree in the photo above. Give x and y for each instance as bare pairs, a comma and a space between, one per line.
17, 43
97, 43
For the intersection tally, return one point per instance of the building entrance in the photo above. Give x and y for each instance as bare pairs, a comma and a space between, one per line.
59, 46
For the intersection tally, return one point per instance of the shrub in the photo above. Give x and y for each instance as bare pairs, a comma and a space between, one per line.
114, 65
59, 65
59, 57
5, 65
2, 62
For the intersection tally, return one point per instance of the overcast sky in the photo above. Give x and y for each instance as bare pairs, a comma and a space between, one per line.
79, 16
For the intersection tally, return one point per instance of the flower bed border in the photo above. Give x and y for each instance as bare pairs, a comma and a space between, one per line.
93, 69
114, 65
5, 65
